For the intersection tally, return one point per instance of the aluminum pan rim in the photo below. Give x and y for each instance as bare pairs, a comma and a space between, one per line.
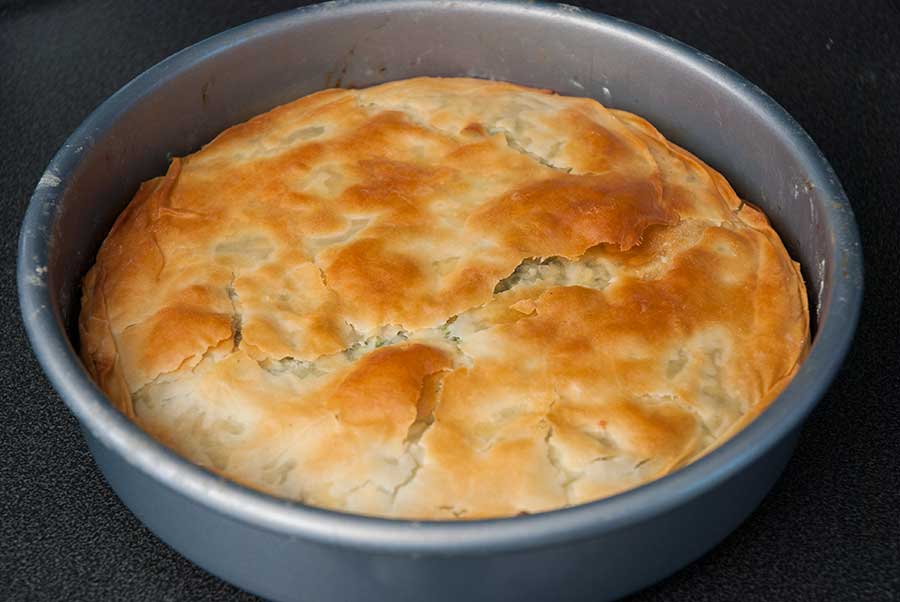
60, 362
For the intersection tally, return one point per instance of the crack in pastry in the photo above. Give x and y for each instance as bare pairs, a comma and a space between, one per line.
442, 298
236, 318
518, 147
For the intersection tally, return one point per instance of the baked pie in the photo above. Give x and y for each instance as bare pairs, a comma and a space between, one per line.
441, 299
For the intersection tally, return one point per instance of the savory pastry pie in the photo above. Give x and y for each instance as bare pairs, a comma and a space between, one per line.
442, 298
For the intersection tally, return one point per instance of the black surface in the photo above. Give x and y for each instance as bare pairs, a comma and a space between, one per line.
829, 530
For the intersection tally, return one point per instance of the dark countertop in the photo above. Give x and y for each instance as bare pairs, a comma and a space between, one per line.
830, 529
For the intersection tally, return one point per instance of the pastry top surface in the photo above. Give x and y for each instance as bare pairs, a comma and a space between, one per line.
442, 298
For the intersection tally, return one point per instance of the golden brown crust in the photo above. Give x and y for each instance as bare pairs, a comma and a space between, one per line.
442, 298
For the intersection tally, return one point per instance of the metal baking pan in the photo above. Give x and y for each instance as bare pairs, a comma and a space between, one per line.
286, 551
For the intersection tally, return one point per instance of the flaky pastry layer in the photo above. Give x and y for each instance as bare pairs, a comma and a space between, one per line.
442, 298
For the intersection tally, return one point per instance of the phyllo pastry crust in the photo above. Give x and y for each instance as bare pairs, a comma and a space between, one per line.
442, 298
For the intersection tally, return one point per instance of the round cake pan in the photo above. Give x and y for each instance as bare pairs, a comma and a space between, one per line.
286, 551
